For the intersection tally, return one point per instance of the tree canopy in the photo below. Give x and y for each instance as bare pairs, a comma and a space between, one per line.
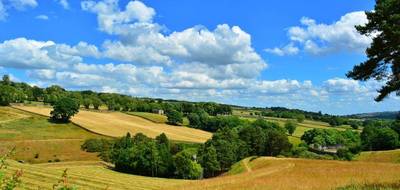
383, 61
64, 109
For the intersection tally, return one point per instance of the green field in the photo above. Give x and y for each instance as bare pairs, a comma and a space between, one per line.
38, 140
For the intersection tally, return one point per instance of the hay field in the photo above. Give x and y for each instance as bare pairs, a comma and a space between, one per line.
261, 174
37, 140
85, 175
282, 173
388, 156
117, 124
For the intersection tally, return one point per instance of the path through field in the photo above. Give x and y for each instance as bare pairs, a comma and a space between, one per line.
117, 124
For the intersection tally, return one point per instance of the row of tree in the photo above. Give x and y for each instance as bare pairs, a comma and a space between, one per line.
160, 158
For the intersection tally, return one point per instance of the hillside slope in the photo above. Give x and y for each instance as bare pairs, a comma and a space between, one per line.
283, 173
117, 124
262, 173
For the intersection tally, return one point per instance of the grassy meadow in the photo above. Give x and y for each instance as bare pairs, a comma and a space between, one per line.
37, 140
117, 124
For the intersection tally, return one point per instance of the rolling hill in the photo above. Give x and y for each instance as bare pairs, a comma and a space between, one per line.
261, 173
117, 124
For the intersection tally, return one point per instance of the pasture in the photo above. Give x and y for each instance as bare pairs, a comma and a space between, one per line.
117, 124
260, 173
37, 140
284, 173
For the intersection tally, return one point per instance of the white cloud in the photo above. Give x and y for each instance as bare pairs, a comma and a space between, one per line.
289, 49
42, 17
320, 38
141, 41
23, 4
19, 5
63, 3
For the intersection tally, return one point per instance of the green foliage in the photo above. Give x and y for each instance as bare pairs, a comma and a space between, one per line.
186, 165
209, 161
331, 137
379, 138
254, 137
174, 117
96, 102
290, 126
9, 94
64, 109
87, 102
383, 57
96, 145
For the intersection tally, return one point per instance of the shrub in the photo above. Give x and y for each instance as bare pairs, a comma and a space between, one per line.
64, 109
96, 145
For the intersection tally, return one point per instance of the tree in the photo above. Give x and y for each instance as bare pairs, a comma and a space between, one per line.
300, 118
290, 126
254, 138
383, 55
96, 103
186, 167
209, 161
165, 167
174, 117
9, 94
276, 142
87, 102
6, 80
64, 109
379, 138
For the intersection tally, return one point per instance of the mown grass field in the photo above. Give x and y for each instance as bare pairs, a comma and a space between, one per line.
282, 173
388, 156
89, 175
156, 118
260, 173
117, 124
38, 140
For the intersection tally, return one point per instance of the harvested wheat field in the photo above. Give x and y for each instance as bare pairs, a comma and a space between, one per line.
260, 174
85, 175
282, 173
117, 124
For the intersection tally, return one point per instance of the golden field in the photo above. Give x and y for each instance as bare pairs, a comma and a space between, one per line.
117, 124
260, 174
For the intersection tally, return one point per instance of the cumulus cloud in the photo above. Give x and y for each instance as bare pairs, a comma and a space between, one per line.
289, 49
19, 5
42, 17
22, 53
321, 38
225, 49
63, 3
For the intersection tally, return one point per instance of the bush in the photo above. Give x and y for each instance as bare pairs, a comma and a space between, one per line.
344, 154
64, 109
174, 117
96, 145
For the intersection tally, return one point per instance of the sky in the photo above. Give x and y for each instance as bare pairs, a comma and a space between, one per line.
285, 53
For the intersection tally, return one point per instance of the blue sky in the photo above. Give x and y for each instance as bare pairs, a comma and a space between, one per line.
253, 53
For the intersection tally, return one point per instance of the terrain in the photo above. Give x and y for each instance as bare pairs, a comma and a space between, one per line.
260, 173
57, 147
117, 124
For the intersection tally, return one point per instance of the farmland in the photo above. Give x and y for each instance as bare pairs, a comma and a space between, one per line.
261, 173
33, 134
38, 140
117, 124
